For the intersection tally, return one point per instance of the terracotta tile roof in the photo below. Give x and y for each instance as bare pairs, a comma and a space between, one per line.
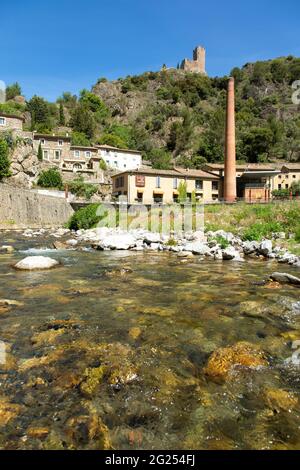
291, 166
244, 167
179, 172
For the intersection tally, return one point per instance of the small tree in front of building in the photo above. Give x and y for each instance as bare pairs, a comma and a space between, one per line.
4, 159
182, 192
40, 153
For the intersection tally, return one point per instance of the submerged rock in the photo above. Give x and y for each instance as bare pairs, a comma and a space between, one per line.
241, 354
36, 262
8, 411
280, 400
93, 377
85, 430
7, 249
285, 278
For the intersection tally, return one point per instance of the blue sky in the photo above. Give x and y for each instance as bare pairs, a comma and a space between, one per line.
62, 45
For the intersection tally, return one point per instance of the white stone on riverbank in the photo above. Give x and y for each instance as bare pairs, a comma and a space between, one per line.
36, 262
117, 242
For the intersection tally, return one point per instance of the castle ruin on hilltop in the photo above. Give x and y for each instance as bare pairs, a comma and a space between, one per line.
196, 65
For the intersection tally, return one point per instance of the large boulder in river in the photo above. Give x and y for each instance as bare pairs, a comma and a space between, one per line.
36, 262
223, 360
285, 278
117, 242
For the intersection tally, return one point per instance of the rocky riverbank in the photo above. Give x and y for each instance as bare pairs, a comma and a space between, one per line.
219, 245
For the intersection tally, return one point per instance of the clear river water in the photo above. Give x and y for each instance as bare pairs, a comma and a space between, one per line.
109, 349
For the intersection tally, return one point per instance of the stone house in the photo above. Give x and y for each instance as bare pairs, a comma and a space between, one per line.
55, 148
162, 186
9, 122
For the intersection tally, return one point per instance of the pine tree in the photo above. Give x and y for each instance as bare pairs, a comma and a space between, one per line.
40, 153
62, 120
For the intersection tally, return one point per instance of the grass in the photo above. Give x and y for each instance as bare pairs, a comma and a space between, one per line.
256, 221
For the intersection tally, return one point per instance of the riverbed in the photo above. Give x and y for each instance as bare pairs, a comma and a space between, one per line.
109, 351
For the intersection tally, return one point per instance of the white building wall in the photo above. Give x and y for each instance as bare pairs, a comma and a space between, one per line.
121, 160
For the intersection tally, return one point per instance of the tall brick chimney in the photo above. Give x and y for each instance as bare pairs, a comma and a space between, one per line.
230, 151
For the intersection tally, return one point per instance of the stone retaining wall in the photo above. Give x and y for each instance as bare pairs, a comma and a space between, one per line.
20, 208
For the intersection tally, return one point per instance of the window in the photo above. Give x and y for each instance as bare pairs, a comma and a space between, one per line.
57, 154
175, 183
115, 163
77, 153
42, 141
120, 182
294, 176
2, 121
60, 143
215, 185
199, 184
279, 186
286, 186
124, 165
77, 166
88, 154
279, 176
139, 196
45, 155
158, 181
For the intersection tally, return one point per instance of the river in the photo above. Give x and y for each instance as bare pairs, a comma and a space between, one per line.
109, 349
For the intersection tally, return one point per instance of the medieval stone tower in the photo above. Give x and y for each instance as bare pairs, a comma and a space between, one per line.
197, 64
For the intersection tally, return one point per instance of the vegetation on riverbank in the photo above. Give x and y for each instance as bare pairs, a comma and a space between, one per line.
257, 221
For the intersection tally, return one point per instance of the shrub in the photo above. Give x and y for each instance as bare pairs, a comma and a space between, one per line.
50, 179
260, 230
222, 242
82, 189
13, 90
85, 218
4, 159
79, 138
297, 234
102, 165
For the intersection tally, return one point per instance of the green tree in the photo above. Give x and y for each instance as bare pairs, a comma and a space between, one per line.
278, 70
94, 104
182, 192
82, 120
79, 138
4, 159
40, 153
50, 179
112, 140
40, 113
256, 144
62, 120
13, 90
160, 159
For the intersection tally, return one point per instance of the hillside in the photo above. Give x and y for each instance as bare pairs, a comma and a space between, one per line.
178, 117
172, 113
